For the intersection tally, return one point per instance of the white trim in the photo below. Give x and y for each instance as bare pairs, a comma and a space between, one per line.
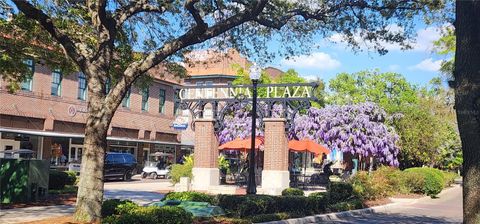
71, 135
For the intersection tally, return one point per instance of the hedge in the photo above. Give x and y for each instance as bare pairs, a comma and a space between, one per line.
57, 180
109, 206
72, 178
190, 196
292, 192
151, 215
433, 180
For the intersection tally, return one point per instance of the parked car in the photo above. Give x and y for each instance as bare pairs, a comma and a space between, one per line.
120, 165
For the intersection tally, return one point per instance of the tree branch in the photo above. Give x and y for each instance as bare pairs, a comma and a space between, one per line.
70, 47
124, 13
190, 6
191, 37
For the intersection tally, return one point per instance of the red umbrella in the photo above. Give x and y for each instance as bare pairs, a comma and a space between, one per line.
307, 145
242, 144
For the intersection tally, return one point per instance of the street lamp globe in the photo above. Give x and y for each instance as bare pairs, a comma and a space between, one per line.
255, 72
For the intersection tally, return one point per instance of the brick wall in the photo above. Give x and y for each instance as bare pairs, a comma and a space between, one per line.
51, 112
276, 145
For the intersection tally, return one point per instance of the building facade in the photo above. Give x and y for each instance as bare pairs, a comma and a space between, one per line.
48, 115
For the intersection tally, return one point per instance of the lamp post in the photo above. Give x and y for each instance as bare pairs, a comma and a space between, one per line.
251, 184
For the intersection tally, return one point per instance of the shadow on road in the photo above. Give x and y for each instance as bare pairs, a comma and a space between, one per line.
393, 218
140, 197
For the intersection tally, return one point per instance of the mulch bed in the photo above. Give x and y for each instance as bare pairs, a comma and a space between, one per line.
57, 220
53, 199
377, 202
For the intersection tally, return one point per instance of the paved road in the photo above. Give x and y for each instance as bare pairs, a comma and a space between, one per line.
447, 208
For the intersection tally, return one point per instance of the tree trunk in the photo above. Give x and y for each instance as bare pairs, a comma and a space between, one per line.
100, 114
467, 102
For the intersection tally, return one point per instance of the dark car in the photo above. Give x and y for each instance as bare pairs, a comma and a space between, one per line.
120, 165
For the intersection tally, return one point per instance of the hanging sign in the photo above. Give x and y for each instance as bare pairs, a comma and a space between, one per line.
180, 123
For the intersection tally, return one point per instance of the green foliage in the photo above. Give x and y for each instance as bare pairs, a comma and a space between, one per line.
433, 180
109, 207
68, 189
269, 217
340, 191
182, 170
57, 180
389, 90
250, 205
446, 45
151, 215
223, 164
449, 178
72, 178
346, 205
190, 196
293, 192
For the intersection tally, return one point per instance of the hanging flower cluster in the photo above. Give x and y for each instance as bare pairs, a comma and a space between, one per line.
357, 129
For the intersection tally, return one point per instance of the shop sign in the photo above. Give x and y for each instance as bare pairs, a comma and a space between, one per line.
73, 110
180, 123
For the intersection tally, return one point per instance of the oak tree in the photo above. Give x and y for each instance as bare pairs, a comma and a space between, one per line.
121, 40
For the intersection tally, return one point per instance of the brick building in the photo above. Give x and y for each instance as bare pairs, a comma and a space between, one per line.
48, 116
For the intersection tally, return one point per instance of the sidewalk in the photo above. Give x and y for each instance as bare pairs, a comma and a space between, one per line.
29, 214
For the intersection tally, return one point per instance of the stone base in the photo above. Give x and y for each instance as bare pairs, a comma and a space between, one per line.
204, 178
275, 181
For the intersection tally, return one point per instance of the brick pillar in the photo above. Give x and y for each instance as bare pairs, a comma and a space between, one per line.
275, 176
205, 170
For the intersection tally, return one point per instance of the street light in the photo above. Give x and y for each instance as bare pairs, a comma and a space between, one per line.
251, 184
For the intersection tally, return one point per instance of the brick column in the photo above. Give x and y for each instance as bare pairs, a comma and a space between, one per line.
205, 170
275, 176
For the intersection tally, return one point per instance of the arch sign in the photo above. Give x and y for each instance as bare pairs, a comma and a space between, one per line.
220, 99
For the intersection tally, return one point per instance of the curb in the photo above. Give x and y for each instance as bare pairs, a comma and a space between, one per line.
337, 215
333, 216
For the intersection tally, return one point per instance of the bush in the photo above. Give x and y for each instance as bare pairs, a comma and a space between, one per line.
340, 191
151, 215
109, 206
57, 180
190, 196
414, 181
182, 170
292, 192
269, 217
433, 180
449, 178
346, 205
250, 205
72, 178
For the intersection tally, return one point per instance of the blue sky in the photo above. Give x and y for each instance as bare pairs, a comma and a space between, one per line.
419, 65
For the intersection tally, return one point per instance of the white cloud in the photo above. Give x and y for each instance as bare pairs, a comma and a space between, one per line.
427, 65
393, 67
423, 40
310, 77
318, 60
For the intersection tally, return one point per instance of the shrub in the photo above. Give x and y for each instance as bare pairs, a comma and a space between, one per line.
346, 205
292, 192
340, 191
433, 180
57, 179
250, 205
449, 178
72, 178
190, 196
269, 217
414, 181
182, 170
109, 206
151, 215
